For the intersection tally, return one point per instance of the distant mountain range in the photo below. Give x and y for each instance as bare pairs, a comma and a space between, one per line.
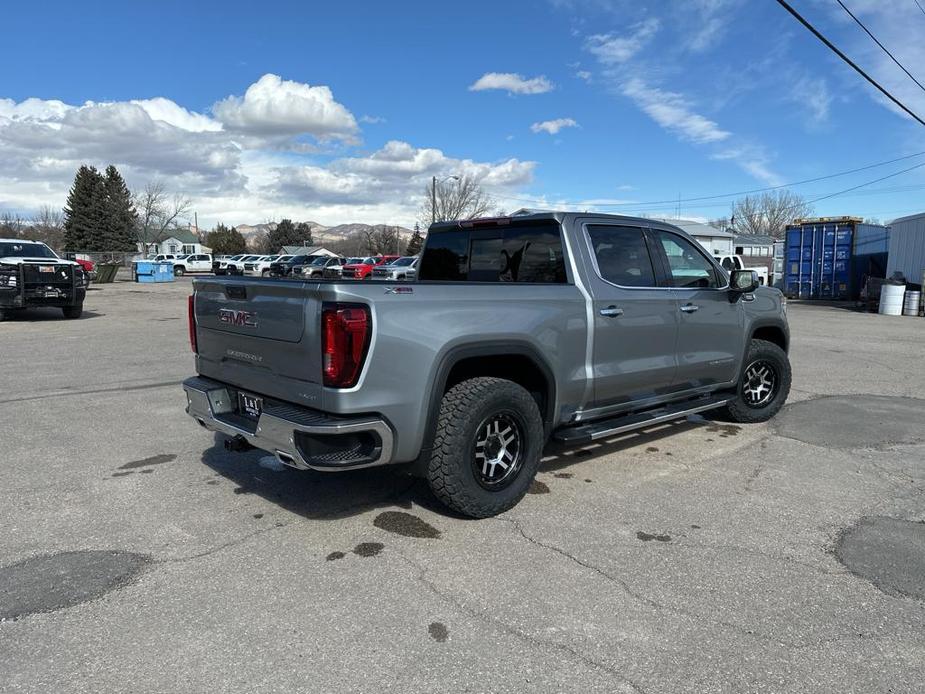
322, 234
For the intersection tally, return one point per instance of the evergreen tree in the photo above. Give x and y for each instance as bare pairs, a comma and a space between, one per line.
121, 219
287, 234
304, 232
416, 242
84, 213
225, 241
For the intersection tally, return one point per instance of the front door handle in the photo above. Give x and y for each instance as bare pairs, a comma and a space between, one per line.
690, 308
611, 312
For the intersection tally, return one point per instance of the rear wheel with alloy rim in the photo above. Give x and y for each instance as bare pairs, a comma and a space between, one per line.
487, 446
764, 384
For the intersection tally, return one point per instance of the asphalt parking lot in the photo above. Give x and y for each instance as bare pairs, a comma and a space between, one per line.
138, 555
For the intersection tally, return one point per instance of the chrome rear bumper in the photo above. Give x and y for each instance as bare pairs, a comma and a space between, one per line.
299, 437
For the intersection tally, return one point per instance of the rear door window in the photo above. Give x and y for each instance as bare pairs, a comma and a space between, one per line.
622, 255
515, 253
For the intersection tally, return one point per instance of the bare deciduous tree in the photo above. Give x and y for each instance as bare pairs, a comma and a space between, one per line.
460, 197
11, 224
382, 240
158, 210
48, 226
768, 213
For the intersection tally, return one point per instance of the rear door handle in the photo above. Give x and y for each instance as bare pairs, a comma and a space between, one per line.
611, 312
690, 308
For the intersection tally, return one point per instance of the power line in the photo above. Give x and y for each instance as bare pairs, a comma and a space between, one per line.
736, 194
920, 7
834, 49
791, 207
884, 48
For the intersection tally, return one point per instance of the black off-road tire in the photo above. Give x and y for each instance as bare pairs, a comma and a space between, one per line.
451, 471
761, 351
178, 271
72, 312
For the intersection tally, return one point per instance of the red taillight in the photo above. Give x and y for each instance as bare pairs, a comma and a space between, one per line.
191, 314
345, 333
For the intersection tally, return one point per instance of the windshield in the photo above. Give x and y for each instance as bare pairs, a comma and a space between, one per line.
320, 260
402, 262
353, 261
296, 260
25, 249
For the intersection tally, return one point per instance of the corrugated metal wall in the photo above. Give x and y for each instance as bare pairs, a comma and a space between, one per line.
907, 248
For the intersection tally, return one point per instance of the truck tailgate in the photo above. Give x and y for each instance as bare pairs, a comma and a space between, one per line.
263, 336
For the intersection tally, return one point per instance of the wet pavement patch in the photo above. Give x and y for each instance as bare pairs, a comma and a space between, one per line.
54, 581
368, 549
402, 523
153, 460
854, 421
564, 475
537, 487
333, 556
648, 537
438, 631
651, 449
888, 552
724, 430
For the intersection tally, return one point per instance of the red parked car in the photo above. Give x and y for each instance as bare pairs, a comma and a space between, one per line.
362, 270
88, 268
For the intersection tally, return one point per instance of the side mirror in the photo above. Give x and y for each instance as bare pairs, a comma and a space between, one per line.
743, 281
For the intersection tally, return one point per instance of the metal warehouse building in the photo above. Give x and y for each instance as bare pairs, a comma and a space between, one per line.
907, 247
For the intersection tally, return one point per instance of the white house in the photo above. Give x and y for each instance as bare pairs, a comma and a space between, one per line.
174, 241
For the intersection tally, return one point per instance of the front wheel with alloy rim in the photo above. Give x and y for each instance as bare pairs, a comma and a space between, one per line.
764, 384
487, 446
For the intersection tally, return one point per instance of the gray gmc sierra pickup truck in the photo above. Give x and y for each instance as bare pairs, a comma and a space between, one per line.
575, 326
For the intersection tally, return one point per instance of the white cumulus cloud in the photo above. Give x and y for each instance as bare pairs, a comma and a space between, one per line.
272, 106
512, 83
231, 175
553, 126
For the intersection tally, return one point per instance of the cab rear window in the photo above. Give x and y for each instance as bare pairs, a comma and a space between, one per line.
514, 253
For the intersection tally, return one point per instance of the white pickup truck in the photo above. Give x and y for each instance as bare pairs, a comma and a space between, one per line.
735, 262
195, 262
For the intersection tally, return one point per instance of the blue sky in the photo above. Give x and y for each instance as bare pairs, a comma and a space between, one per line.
341, 112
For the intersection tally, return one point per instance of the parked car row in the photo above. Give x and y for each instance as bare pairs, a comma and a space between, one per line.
379, 267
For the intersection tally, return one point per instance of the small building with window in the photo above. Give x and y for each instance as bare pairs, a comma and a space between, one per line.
756, 250
173, 242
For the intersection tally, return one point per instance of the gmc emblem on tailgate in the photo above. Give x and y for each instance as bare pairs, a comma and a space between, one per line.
241, 318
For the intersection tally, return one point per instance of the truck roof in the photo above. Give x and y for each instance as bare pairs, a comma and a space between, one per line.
560, 216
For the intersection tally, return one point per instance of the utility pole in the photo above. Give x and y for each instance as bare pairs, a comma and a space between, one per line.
433, 201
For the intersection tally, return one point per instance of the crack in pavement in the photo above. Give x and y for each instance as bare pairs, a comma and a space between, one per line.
514, 631
649, 602
93, 391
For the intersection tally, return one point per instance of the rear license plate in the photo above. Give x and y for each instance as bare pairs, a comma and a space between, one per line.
250, 405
